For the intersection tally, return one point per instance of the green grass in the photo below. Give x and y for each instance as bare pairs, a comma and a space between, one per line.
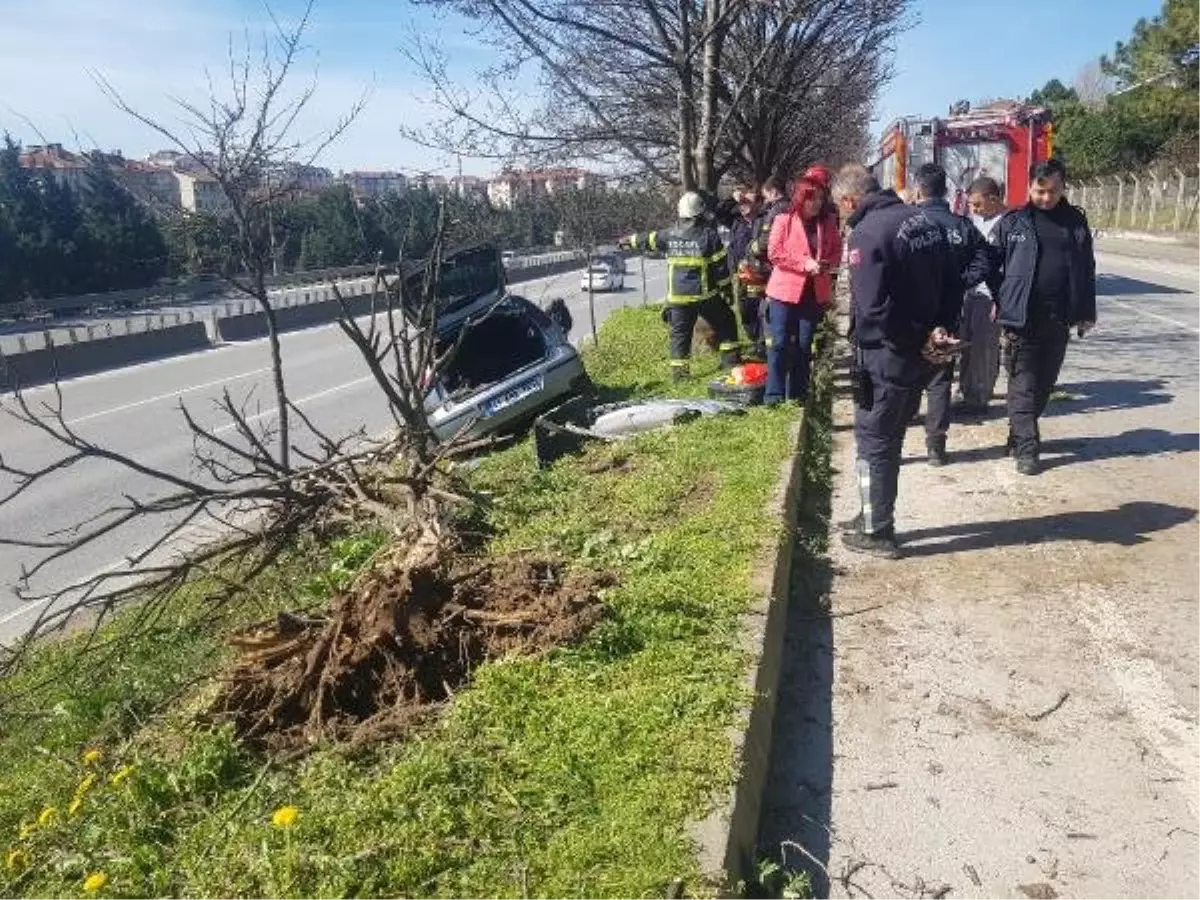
572, 773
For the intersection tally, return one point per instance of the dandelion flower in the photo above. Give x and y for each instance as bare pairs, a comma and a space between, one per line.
47, 815
93, 756
17, 860
86, 785
95, 882
285, 817
120, 775
75, 807
27, 830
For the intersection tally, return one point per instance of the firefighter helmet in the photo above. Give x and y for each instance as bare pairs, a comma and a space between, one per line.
691, 206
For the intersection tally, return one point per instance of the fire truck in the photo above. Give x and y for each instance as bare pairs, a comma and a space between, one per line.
1001, 140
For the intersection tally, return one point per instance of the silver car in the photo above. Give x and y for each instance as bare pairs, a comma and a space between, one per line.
514, 360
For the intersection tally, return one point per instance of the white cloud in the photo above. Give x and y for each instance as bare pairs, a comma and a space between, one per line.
151, 52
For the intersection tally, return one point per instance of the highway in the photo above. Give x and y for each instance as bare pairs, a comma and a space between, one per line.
135, 411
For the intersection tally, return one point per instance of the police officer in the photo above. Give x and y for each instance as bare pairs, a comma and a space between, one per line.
698, 282
905, 293
1046, 285
972, 256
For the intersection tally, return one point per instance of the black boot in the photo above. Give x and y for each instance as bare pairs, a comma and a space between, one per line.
1028, 465
854, 524
881, 544
935, 449
731, 355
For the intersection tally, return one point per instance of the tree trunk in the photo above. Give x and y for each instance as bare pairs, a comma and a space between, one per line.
706, 139
686, 100
281, 398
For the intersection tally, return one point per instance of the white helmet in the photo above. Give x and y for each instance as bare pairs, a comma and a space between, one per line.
691, 206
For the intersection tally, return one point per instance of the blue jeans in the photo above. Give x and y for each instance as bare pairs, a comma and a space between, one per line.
790, 328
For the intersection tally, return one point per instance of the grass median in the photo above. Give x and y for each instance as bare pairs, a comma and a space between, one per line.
573, 772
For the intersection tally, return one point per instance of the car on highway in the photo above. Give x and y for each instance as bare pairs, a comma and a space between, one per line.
513, 360
605, 274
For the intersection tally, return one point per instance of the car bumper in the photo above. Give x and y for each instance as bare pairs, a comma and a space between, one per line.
561, 374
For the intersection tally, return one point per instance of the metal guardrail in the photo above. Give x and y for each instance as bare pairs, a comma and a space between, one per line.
210, 289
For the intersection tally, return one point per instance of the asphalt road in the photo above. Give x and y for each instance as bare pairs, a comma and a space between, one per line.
135, 411
1011, 709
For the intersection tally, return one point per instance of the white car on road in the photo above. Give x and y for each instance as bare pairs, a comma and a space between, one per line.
604, 275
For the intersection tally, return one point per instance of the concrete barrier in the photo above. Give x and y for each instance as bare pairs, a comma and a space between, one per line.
250, 326
82, 358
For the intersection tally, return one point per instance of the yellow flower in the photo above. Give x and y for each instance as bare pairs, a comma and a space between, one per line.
27, 830
285, 817
93, 756
47, 815
120, 775
75, 807
95, 882
86, 785
17, 860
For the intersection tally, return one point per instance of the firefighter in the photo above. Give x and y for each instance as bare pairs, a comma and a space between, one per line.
1045, 286
904, 294
698, 282
973, 257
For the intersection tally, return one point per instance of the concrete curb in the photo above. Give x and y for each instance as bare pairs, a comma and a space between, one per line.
728, 837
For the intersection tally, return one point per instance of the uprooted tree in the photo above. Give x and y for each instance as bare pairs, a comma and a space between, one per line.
684, 92
406, 632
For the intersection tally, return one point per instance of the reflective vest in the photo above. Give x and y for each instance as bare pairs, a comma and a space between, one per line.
697, 262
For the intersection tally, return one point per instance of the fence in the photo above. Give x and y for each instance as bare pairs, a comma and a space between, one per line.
1156, 200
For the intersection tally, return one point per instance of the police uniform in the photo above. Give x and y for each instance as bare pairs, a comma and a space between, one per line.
1046, 283
698, 286
973, 260
903, 284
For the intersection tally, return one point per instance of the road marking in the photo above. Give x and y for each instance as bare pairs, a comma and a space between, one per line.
155, 399
24, 610
221, 429
1162, 720
1142, 312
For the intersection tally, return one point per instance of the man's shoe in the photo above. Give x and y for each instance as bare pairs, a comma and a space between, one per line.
882, 545
936, 454
1028, 465
855, 524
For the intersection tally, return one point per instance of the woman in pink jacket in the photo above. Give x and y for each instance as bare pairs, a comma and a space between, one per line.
805, 250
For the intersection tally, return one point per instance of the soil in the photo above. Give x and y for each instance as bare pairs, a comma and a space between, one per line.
398, 645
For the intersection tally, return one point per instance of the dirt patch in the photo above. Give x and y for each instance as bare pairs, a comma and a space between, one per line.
699, 497
397, 645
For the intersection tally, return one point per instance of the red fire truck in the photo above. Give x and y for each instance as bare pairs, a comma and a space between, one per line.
1000, 140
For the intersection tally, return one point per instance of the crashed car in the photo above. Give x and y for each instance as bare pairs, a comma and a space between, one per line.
513, 361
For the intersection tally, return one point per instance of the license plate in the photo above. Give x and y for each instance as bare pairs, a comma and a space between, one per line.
512, 395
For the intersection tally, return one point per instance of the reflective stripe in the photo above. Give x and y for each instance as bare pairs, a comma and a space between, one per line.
727, 345
718, 256
679, 364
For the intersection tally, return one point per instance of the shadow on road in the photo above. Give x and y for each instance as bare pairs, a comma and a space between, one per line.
1067, 451
1117, 393
1128, 525
1122, 286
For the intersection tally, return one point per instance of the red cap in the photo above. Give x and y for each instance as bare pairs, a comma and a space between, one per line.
818, 175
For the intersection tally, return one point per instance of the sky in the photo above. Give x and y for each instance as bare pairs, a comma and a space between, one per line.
987, 49
153, 51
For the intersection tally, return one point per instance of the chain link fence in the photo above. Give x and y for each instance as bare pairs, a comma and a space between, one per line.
1157, 200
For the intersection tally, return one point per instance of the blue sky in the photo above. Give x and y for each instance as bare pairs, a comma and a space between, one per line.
152, 50
969, 49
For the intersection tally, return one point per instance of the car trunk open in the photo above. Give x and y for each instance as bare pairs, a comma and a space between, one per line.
492, 350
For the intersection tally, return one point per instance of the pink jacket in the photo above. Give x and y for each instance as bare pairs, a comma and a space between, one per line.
788, 250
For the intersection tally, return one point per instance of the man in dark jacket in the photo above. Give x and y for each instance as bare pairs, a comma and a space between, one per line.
1045, 285
757, 268
973, 259
698, 282
905, 294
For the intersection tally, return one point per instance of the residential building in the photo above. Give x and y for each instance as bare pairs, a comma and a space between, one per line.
64, 166
375, 184
307, 179
199, 192
468, 186
155, 186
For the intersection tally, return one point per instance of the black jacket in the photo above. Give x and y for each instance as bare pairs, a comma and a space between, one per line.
760, 234
972, 252
740, 233
904, 281
1016, 252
